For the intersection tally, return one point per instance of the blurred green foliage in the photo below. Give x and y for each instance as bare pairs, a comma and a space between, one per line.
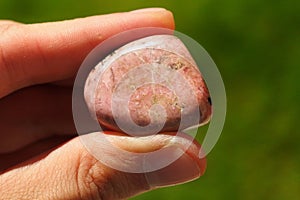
256, 45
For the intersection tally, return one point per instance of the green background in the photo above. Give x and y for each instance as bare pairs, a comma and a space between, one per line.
256, 45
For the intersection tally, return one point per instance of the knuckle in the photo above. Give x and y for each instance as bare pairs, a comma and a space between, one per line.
90, 178
97, 181
9, 32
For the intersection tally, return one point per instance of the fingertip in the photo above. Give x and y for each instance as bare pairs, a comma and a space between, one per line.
183, 170
170, 22
153, 9
163, 17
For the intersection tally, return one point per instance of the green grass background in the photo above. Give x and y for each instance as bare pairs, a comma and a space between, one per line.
256, 45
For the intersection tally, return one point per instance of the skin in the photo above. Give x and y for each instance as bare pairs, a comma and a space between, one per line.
40, 153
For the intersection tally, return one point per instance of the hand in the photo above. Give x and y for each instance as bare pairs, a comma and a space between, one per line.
40, 155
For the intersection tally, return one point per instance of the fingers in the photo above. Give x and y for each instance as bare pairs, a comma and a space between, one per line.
39, 53
9, 160
33, 114
70, 172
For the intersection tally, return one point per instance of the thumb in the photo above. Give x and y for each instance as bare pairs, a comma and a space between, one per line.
71, 172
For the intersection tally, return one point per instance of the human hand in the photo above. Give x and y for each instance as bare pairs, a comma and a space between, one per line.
40, 155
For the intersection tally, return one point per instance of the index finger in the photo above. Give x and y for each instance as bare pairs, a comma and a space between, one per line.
53, 51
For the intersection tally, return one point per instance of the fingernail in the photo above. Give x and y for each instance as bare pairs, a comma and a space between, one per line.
183, 170
148, 10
